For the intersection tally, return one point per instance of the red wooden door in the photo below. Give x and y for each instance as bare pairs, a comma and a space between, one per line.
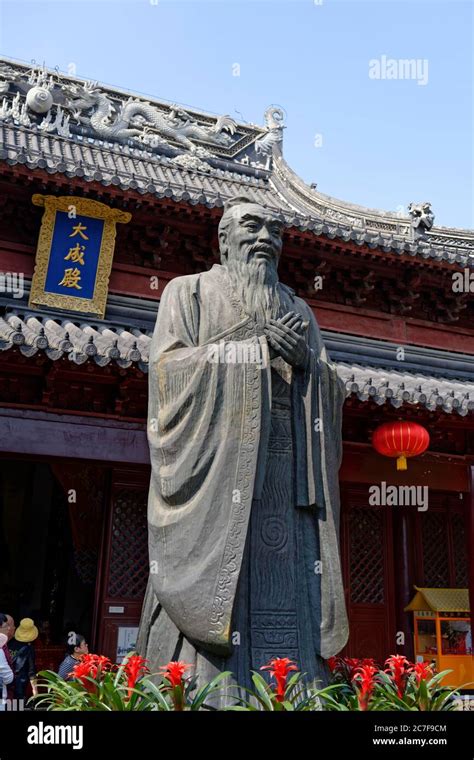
124, 565
441, 547
367, 560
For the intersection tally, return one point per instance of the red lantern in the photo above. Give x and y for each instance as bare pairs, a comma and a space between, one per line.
401, 440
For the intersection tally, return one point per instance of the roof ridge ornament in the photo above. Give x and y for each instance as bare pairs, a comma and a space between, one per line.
270, 143
274, 117
422, 218
39, 97
7, 75
136, 119
85, 109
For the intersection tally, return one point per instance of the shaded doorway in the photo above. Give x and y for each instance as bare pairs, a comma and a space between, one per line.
51, 518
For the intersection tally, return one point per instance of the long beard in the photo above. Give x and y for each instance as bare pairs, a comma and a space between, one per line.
256, 285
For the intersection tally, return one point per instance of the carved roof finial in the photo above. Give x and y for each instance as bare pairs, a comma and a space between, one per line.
422, 217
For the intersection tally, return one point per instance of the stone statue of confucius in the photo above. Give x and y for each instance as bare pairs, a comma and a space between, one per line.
245, 445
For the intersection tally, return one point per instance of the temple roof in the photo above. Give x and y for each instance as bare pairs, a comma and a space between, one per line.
62, 124
127, 343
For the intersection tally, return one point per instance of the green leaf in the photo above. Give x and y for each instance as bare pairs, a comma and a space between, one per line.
157, 693
438, 677
263, 693
209, 688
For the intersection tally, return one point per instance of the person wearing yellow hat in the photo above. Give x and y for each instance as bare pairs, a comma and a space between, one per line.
23, 656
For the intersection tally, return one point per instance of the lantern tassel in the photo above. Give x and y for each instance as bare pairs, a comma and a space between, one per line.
401, 462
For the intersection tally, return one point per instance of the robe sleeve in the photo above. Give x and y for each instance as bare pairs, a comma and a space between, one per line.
204, 430
318, 398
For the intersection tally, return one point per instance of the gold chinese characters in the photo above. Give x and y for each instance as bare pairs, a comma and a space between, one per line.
76, 255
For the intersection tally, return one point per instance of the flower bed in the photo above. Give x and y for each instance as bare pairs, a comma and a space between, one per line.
98, 684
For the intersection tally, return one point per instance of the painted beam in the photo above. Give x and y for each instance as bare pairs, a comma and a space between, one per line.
58, 435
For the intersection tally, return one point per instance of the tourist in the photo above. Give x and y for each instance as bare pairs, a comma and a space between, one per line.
7, 628
75, 649
6, 672
23, 656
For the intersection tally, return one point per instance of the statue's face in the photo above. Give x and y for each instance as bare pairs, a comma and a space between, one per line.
252, 233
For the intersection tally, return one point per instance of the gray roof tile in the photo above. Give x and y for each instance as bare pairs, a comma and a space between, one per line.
103, 343
396, 388
87, 150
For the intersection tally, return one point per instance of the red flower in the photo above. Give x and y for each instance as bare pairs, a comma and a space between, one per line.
279, 667
174, 672
333, 663
423, 671
366, 675
352, 664
82, 672
134, 668
86, 666
399, 668
369, 661
90, 666
345, 668
103, 663
79, 672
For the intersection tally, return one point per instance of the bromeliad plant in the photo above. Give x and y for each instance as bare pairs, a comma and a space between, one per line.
176, 690
354, 687
343, 669
98, 684
286, 694
407, 687
401, 686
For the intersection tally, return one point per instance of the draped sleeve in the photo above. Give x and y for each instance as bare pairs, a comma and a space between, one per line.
318, 398
204, 431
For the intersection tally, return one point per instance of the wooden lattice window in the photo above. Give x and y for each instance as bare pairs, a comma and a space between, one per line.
458, 529
435, 550
129, 550
366, 540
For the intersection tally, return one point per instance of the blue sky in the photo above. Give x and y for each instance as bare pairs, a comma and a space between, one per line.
385, 142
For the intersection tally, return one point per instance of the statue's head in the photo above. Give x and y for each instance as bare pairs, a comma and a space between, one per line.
250, 242
249, 232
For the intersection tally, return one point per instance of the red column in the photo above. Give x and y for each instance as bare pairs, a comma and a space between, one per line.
403, 565
470, 544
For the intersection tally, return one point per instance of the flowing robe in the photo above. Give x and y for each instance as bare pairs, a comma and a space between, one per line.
208, 430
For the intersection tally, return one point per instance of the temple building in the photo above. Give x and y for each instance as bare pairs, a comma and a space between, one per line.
105, 196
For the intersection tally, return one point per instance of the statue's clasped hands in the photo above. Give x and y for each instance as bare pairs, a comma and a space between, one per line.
287, 338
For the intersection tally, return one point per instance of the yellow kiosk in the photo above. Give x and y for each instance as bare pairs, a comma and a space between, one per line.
443, 633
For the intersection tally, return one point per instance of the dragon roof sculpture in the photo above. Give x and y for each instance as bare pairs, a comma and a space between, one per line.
56, 103
52, 120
